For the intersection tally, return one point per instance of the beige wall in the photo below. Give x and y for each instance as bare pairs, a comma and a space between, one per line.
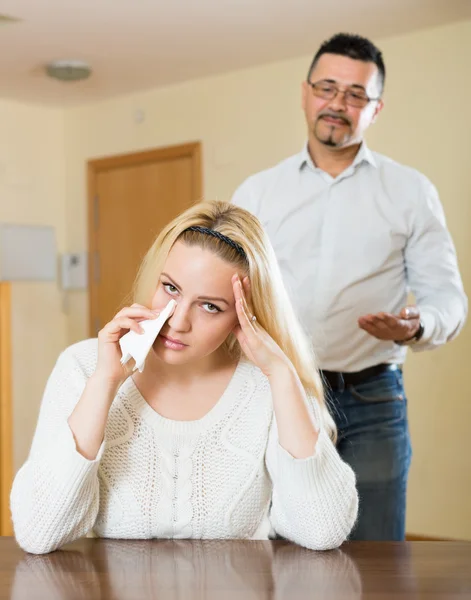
32, 186
250, 119
426, 124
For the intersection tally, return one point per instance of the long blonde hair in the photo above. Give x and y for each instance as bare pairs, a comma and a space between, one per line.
270, 301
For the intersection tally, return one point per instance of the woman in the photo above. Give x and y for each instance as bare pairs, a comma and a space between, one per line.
225, 433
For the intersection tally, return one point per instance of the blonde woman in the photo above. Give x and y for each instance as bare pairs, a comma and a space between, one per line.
225, 433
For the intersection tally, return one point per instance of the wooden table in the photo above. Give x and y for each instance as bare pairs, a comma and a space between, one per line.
228, 570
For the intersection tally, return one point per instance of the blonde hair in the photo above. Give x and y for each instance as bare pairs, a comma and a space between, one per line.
270, 301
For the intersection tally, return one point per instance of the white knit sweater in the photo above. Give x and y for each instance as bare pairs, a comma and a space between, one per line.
222, 476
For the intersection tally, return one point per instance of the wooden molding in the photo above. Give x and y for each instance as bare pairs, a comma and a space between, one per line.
413, 537
6, 420
138, 158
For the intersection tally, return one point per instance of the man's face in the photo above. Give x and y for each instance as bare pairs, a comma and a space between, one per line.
334, 122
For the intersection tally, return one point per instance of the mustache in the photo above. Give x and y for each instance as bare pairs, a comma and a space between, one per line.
335, 116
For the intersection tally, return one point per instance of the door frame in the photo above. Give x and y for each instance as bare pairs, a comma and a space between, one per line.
6, 409
190, 150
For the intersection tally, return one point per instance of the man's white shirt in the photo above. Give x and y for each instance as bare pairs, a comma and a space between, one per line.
356, 244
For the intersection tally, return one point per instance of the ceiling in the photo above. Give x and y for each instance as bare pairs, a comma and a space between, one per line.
141, 44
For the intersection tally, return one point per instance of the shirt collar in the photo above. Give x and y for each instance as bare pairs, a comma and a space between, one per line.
364, 154
305, 158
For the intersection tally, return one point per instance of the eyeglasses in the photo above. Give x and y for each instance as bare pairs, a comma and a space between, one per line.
328, 91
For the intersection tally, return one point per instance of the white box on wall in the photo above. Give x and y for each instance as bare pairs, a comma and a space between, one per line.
74, 271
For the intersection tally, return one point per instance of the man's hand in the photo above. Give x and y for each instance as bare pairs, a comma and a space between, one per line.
397, 328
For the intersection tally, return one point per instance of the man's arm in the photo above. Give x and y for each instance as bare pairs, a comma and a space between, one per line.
433, 274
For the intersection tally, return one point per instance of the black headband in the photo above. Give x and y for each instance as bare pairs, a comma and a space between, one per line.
237, 247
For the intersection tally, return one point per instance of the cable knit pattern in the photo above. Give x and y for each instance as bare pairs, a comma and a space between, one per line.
222, 476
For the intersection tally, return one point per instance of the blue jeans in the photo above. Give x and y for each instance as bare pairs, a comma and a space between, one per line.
374, 440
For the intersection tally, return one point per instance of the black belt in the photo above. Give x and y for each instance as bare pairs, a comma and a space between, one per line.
337, 381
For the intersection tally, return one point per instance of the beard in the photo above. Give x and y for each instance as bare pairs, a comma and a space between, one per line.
331, 136
329, 141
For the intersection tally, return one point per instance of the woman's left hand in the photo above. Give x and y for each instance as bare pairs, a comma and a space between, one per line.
259, 347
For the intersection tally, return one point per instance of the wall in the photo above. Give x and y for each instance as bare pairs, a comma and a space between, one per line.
248, 120
32, 191
426, 125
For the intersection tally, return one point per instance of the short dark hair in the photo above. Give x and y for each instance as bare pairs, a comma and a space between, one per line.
353, 46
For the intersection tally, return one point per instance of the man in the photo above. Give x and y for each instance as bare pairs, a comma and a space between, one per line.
354, 232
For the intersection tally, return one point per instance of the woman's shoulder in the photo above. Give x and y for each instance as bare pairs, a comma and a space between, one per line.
254, 377
81, 355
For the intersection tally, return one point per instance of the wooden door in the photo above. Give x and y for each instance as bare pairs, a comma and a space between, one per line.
131, 198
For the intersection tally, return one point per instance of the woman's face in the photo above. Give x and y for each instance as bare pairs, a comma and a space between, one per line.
205, 314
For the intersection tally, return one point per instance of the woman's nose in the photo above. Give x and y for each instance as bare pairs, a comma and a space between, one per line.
180, 319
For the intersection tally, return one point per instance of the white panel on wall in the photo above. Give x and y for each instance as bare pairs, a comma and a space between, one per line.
27, 253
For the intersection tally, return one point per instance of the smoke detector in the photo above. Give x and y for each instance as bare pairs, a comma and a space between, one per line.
68, 70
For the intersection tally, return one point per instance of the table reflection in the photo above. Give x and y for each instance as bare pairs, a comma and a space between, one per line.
171, 570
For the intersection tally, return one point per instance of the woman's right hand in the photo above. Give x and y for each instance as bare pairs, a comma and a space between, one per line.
109, 367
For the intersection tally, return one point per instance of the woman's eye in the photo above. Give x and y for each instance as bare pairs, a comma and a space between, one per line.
211, 308
171, 289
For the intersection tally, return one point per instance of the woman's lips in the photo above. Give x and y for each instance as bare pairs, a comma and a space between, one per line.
169, 342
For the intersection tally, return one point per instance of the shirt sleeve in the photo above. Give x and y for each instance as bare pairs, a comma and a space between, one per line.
245, 196
55, 494
433, 274
314, 501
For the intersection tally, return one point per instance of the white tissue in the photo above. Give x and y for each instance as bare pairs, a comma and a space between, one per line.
137, 346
